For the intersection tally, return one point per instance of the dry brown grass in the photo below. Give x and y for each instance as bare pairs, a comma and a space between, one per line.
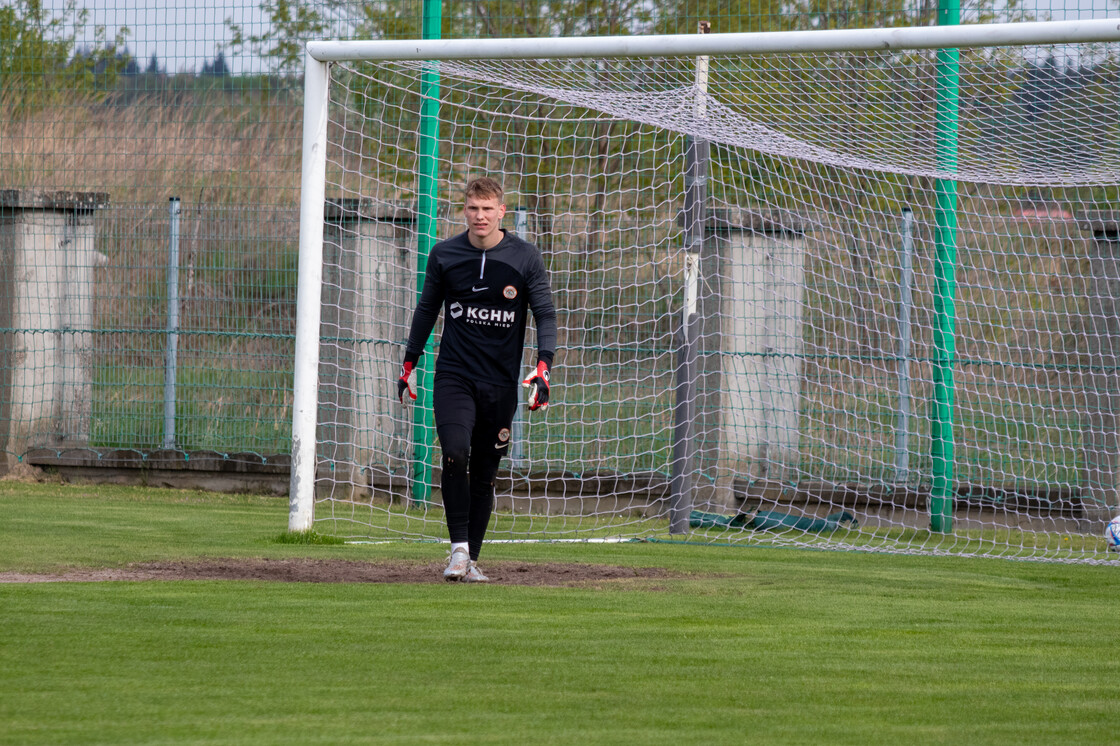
215, 150
234, 161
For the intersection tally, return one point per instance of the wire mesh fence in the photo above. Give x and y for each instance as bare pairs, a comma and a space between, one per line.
106, 115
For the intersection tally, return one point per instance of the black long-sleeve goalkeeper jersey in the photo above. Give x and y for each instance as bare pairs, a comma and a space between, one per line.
485, 296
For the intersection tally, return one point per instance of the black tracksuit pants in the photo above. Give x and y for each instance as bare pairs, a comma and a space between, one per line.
473, 422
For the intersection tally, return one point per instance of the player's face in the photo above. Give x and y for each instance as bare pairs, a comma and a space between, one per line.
484, 219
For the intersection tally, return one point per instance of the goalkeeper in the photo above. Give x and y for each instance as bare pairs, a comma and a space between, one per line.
486, 280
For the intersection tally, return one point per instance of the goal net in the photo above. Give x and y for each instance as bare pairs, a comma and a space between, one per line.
862, 299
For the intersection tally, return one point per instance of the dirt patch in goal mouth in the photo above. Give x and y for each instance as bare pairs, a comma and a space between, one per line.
304, 570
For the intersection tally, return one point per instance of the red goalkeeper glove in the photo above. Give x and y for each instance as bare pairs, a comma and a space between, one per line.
407, 381
537, 383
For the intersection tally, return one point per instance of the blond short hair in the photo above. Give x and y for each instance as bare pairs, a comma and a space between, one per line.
485, 188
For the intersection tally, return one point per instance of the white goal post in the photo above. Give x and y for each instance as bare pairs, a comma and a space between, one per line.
825, 139
685, 45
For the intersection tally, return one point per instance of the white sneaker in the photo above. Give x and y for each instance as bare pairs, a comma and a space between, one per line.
458, 566
474, 575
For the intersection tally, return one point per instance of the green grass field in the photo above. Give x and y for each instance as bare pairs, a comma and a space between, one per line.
739, 645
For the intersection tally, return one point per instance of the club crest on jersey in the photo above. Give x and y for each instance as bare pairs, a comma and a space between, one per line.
503, 438
510, 292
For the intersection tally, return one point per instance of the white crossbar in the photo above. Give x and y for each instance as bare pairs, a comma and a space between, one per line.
688, 45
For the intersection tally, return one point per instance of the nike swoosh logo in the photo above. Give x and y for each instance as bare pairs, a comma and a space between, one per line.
479, 290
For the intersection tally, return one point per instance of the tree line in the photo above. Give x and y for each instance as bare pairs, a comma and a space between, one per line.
40, 58
42, 62
293, 22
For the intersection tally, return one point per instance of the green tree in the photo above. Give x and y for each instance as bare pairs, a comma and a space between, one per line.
731, 16
217, 68
39, 63
727, 16
294, 22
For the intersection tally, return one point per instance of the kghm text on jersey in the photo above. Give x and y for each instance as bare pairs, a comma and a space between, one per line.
487, 315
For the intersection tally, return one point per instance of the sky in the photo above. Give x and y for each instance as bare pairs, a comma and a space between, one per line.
185, 34
182, 33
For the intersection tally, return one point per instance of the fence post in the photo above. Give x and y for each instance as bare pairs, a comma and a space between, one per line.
517, 455
905, 305
47, 257
172, 353
367, 268
762, 310
1100, 348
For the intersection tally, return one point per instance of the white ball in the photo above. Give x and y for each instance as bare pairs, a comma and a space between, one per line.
1112, 534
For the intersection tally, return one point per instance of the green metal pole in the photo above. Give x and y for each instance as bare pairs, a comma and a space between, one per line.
945, 284
423, 431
